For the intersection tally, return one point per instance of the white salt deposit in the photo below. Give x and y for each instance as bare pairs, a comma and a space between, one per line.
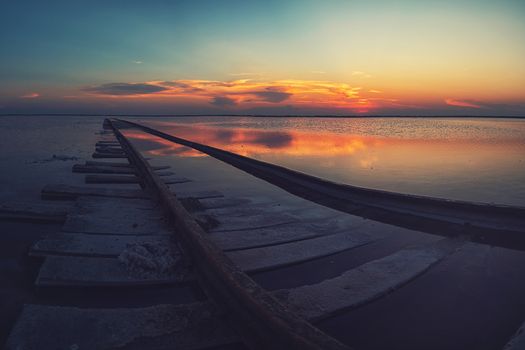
151, 259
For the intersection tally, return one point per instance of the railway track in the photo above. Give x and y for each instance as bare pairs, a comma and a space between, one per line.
124, 237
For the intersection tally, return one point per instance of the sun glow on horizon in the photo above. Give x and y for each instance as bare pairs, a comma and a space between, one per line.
247, 93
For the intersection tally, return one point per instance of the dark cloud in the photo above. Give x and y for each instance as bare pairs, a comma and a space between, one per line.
271, 95
125, 89
222, 101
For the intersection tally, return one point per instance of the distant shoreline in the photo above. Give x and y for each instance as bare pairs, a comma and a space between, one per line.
252, 115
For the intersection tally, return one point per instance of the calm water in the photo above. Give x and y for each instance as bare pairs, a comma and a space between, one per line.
463, 158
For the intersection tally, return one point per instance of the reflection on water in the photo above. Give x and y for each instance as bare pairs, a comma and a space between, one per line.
256, 143
470, 159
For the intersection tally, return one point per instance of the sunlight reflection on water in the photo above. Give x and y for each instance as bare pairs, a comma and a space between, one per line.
463, 158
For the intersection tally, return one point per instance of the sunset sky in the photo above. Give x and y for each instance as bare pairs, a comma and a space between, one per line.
448, 57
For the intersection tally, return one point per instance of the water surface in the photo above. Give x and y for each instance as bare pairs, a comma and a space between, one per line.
460, 158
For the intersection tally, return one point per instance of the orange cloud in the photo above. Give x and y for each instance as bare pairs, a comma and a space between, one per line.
469, 104
248, 93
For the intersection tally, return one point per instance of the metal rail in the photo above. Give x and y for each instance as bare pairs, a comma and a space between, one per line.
261, 320
484, 223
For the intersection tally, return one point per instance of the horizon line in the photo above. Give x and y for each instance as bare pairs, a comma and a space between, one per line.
260, 115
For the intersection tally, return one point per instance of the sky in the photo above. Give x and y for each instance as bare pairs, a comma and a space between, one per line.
287, 57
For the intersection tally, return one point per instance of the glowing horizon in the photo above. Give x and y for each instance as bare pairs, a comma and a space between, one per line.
295, 57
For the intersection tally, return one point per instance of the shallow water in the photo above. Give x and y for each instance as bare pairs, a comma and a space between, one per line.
40, 150
475, 159
460, 158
